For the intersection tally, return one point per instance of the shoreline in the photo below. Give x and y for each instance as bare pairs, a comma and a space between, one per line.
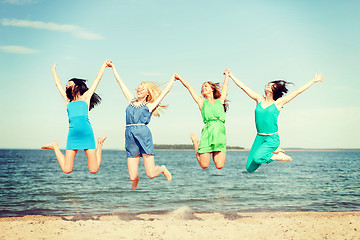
184, 224
184, 209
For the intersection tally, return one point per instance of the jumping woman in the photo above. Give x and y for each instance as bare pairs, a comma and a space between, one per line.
138, 138
79, 100
265, 148
213, 106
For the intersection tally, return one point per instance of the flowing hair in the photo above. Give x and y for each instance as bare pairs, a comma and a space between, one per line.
153, 93
279, 88
80, 88
216, 87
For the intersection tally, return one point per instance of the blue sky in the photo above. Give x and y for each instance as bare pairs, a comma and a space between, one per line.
148, 40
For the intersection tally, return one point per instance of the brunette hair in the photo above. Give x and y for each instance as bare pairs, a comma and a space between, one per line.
216, 87
80, 88
279, 88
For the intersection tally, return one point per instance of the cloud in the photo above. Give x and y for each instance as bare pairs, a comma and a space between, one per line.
75, 30
18, 49
166, 25
151, 74
18, 2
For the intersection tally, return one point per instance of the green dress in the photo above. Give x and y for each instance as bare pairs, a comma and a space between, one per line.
213, 134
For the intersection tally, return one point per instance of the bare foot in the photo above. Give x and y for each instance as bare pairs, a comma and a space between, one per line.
278, 150
50, 146
135, 183
281, 157
194, 138
167, 174
101, 140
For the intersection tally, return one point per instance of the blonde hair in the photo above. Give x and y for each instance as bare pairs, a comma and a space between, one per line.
153, 93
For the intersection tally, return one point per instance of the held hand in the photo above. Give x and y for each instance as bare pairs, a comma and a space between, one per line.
53, 69
318, 77
227, 72
108, 63
177, 76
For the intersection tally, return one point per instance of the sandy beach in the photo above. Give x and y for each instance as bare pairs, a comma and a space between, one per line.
182, 224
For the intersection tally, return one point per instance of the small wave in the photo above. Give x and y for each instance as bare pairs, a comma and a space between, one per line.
184, 213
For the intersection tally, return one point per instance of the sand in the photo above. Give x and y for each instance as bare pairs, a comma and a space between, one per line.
183, 224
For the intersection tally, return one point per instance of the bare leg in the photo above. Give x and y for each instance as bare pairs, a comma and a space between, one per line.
195, 142
94, 156
202, 158
281, 157
66, 162
219, 159
153, 171
133, 166
279, 150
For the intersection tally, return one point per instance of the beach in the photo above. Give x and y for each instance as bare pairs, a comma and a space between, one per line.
183, 224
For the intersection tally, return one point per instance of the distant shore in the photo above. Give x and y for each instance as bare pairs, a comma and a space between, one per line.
183, 224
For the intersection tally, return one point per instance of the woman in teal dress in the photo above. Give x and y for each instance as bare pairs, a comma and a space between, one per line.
213, 135
79, 100
265, 148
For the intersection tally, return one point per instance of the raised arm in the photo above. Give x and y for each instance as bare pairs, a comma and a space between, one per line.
58, 83
128, 95
198, 99
88, 94
154, 104
225, 86
285, 99
257, 97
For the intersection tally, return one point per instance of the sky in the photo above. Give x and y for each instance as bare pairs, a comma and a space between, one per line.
149, 40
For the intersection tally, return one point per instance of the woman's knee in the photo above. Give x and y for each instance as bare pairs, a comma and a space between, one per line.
133, 177
151, 175
204, 165
252, 167
93, 171
67, 171
219, 166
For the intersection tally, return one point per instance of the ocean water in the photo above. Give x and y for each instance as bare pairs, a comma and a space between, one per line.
32, 183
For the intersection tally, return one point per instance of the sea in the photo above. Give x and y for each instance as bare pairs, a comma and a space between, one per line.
32, 183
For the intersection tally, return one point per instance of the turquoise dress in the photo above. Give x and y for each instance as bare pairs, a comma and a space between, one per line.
81, 135
213, 134
138, 138
264, 145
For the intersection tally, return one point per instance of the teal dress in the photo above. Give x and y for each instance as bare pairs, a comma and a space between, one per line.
81, 135
264, 145
213, 134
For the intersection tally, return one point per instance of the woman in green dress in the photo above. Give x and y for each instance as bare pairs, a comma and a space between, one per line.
212, 105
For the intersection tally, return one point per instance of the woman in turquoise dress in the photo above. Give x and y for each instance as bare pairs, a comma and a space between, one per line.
138, 138
79, 100
265, 148
212, 105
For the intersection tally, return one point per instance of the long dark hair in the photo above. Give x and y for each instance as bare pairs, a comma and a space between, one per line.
80, 88
217, 93
279, 88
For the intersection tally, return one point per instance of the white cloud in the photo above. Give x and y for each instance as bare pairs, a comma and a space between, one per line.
166, 25
17, 49
75, 30
151, 74
18, 2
